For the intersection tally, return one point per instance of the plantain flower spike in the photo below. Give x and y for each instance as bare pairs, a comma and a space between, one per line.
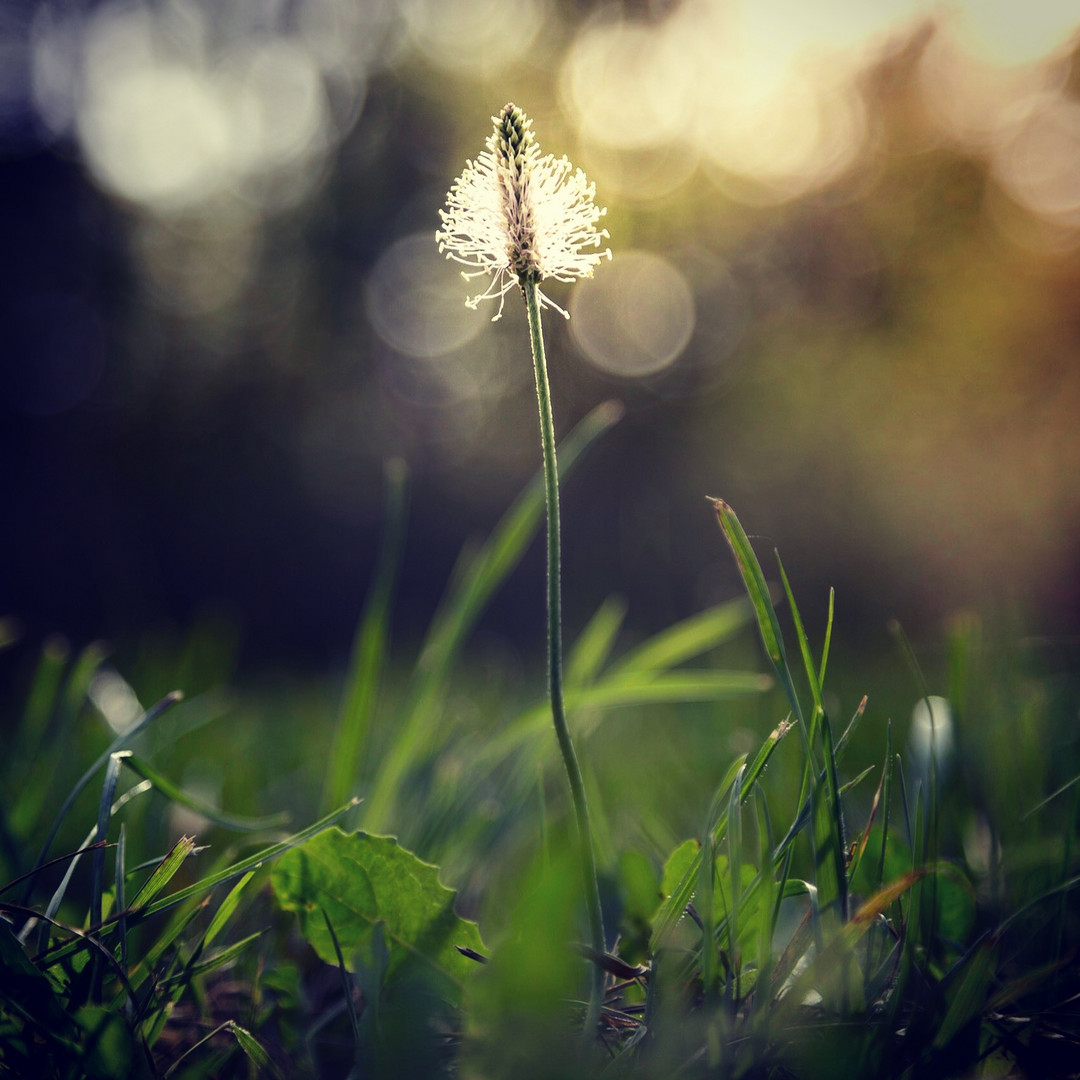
515, 215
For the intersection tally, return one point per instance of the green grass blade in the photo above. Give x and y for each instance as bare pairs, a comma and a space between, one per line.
457, 614
362, 680
165, 871
226, 909
244, 865
828, 637
758, 591
735, 861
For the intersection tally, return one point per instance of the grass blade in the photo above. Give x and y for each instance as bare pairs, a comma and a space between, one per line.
176, 794
465, 600
148, 718
758, 591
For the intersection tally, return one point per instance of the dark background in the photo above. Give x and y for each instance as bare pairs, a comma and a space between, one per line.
201, 378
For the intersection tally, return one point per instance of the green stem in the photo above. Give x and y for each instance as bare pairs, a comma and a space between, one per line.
555, 690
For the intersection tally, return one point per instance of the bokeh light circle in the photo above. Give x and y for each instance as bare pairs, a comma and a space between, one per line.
627, 85
635, 317
416, 300
473, 38
1040, 166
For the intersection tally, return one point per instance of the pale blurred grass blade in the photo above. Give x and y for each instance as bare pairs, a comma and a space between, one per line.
363, 678
468, 594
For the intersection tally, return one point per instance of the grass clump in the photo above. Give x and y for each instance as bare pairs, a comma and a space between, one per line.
915, 919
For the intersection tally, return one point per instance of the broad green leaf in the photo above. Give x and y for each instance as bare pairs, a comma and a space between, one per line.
678, 865
360, 880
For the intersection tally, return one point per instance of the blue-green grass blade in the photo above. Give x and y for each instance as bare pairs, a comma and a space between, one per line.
176, 794
1043, 803
119, 889
118, 743
72, 861
97, 860
687, 639
469, 593
97, 864
594, 644
363, 677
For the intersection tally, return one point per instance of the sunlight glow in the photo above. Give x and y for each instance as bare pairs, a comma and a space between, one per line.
473, 38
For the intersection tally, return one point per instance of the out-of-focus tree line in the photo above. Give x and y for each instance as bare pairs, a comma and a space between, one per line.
844, 297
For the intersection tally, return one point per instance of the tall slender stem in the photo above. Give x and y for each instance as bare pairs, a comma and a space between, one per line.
555, 689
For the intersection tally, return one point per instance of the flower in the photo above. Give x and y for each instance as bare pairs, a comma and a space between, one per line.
516, 215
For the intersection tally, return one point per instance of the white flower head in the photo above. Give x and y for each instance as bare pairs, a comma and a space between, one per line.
515, 216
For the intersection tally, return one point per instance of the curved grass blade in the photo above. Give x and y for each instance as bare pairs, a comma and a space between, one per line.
347, 993
176, 794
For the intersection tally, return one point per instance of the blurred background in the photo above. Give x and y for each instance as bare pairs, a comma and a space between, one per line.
845, 297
